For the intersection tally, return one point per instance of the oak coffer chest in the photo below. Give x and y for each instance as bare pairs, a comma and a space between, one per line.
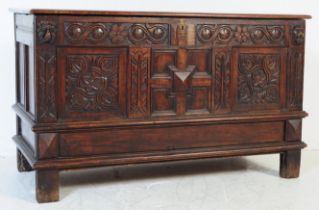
101, 88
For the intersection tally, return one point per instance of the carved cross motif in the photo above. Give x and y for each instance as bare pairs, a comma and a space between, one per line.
182, 75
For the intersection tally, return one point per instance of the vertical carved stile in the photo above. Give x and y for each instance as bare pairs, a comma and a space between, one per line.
138, 76
46, 68
295, 68
221, 70
295, 79
46, 87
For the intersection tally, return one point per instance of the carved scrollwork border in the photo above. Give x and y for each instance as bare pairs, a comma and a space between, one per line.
228, 34
116, 33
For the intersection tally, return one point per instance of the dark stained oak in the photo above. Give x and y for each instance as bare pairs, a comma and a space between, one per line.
102, 88
290, 164
47, 185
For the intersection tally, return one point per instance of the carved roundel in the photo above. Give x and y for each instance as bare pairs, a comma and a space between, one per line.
260, 33
97, 32
154, 33
75, 31
209, 33
205, 33
80, 31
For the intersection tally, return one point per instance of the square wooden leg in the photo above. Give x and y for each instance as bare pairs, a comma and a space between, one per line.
22, 163
290, 164
47, 185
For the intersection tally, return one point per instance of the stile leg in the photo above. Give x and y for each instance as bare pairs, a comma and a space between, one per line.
290, 163
47, 185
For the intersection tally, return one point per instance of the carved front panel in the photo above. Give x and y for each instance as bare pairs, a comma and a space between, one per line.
92, 83
181, 82
259, 78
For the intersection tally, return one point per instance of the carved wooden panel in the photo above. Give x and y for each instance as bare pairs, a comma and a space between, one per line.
240, 35
201, 59
163, 102
295, 79
92, 82
221, 75
181, 82
116, 33
199, 100
138, 77
161, 59
259, 78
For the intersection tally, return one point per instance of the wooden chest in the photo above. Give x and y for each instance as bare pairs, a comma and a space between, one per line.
101, 88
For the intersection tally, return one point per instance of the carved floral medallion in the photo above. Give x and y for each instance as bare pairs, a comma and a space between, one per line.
91, 83
258, 79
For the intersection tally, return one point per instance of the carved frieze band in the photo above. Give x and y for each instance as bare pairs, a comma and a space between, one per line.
221, 72
116, 33
138, 76
295, 79
46, 87
243, 35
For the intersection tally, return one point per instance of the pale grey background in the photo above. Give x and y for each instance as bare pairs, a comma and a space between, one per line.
311, 101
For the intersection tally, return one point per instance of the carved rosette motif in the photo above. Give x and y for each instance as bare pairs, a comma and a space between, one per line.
46, 31
117, 33
258, 79
298, 35
91, 83
219, 34
139, 65
222, 80
47, 83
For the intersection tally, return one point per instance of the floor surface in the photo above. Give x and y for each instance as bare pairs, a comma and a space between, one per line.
231, 183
